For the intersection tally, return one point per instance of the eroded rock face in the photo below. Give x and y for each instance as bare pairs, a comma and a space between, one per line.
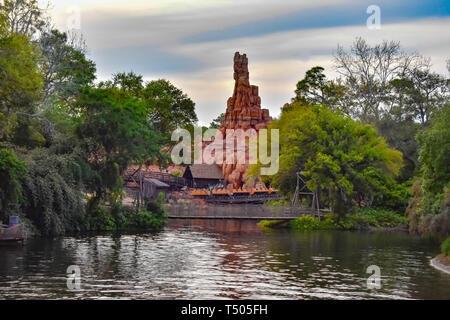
243, 112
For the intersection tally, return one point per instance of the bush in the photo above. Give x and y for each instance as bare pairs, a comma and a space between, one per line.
359, 220
144, 219
429, 208
156, 206
445, 247
100, 220
11, 171
312, 223
429, 214
117, 217
273, 223
377, 217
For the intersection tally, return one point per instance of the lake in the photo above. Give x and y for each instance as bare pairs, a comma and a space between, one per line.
224, 259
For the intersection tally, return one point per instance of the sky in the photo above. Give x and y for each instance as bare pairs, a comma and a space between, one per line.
192, 43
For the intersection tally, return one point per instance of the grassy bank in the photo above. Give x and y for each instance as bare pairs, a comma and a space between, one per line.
361, 219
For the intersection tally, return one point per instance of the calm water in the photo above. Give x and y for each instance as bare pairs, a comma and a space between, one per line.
222, 260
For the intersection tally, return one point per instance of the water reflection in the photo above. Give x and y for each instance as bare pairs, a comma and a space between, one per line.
223, 259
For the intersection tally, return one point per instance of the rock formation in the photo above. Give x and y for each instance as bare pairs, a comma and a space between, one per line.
243, 112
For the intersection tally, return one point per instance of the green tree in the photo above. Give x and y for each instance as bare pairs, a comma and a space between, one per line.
64, 65
314, 88
217, 121
367, 71
66, 71
420, 93
130, 82
434, 154
347, 162
115, 131
24, 17
52, 190
20, 88
400, 132
11, 171
429, 208
169, 107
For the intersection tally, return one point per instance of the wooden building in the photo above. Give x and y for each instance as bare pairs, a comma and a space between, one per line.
150, 188
203, 175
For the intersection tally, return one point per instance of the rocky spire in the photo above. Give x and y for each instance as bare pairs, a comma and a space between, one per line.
244, 107
243, 112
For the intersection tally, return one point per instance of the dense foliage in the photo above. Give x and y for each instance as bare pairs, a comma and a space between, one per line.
429, 208
64, 140
399, 96
359, 141
168, 108
361, 219
102, 218
445, 247
11, 170
52, 187
114, 132
345, 161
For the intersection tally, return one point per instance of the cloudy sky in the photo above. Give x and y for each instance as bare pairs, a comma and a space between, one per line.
192, 42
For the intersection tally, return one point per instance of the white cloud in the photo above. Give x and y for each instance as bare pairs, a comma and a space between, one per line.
277, 61
112, 23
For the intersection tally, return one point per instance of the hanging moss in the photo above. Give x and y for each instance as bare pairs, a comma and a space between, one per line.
52, 188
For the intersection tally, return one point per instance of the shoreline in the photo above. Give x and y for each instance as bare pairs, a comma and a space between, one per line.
403, 229
441, 263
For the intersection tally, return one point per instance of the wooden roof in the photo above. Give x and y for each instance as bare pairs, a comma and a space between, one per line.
205, 171
157, 183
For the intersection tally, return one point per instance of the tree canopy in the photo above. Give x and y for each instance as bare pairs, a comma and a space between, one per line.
169, 107
115, 132
345, 160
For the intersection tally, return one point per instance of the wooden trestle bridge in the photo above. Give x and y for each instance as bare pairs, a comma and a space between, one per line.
143, 180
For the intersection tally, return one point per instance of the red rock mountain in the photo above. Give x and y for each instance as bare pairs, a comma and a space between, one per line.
243, 112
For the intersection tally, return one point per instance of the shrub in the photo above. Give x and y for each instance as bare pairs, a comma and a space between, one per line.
118, 217
359, 220
11, 171
445, 247
376, 217
144, 219
272, 223
310, 223
156, 207
429, 215
98, 218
